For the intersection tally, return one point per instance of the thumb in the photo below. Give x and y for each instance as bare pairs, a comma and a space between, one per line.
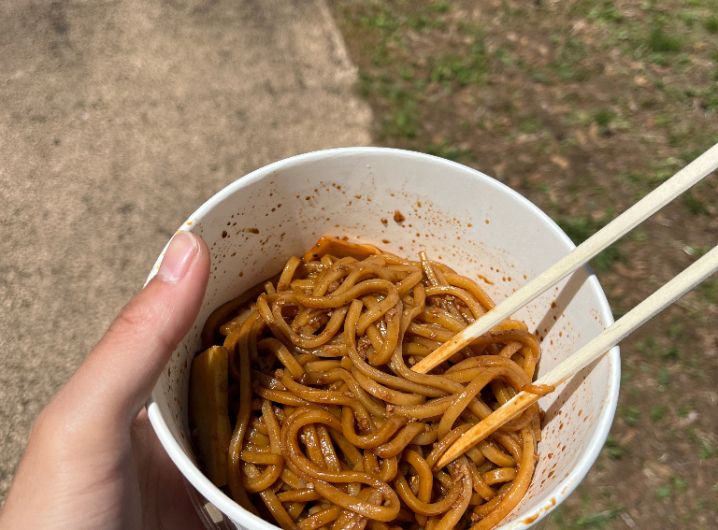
117, 377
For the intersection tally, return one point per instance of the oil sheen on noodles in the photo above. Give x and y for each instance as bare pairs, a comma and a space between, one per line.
305, 410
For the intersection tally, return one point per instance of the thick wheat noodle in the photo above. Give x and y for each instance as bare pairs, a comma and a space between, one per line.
461, 401
498, 475
509, 442
267, 381
272, 471
236, 443
282, 354
471, 286
460, 472
225, 313
493, 453
281, 396
331, 426
424, 508
321, 518
320, 367
285, 278
290, 478
307, 318
363, 269
350, 520
443, 290
336, 373
443, 318
388, 469
518, 486
338, 270
386, 394
308, 435
308, 342
480, 486
324, 477
371, 372
435, 277
377, 311
298, 495
422, 482
431, 409
256, 457
326, 397
371, 439
340, 300
403, 438
390, 341
325, 444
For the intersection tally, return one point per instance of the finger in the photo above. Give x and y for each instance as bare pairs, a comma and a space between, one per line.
117, 377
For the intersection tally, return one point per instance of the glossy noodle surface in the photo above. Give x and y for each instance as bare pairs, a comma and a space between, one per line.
330, 427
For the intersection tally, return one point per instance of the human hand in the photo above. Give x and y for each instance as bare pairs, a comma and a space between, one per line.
92, 460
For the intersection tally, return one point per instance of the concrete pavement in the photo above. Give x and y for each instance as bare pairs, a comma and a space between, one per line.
117, 119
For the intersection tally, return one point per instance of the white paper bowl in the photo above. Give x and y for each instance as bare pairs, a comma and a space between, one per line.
460, 216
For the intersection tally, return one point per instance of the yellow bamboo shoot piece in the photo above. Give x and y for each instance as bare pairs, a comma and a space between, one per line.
208, 411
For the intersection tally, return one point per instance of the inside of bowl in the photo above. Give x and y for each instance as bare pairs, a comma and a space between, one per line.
404, 204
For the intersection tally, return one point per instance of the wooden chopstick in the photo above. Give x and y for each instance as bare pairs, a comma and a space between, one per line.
659, 300
636, 214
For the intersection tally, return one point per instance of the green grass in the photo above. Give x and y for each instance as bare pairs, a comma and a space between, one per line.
683, 410
603, 118
389, 20
383, 20
693, 204
403, 120
704, 444
508, 87
627, 374
705, 97
647, 346
664, 378
675, 330
466, 68
711, 24
658, 412
581, 228
448, 151
707, 450
663, 492
709, 290
596, 520
662, 41
571, 62
631, 415
613, 449
676, 486
590, 521
530, 125
672, 353
696, 251
651, 349
651, 177
605, 11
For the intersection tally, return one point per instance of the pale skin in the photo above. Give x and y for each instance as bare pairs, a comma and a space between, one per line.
92, 460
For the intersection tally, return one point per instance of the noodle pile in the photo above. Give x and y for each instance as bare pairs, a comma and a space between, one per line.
330, 427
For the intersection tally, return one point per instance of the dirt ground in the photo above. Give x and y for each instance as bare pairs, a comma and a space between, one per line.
583, 106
